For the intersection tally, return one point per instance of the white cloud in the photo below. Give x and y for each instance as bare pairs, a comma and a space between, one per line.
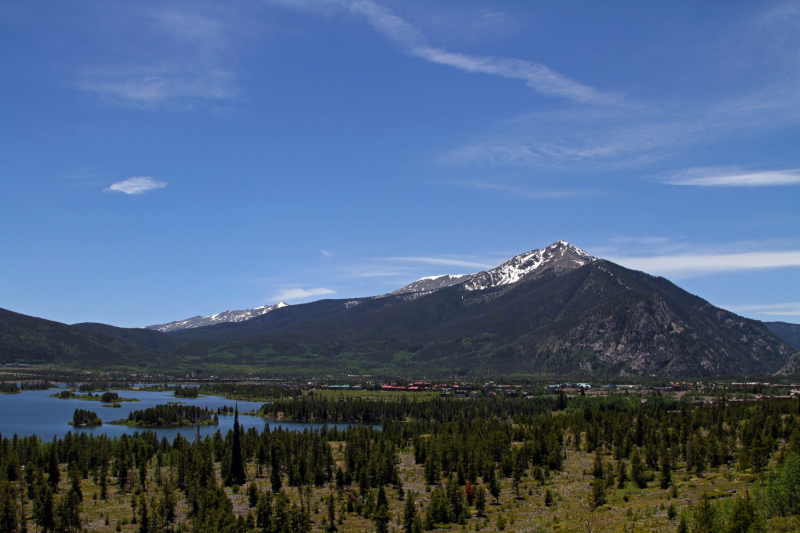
714, 177
326, 253
410, 40
136, 185
441, 261
695, 264
299, 294
783, 309
185, 58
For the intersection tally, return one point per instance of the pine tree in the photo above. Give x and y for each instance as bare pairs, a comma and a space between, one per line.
480, 501
264, 512
666, 472
743, 515
331, 504
704, 517
8, 508
237, 474
598, 493
409, 513
275, 473
491, 482
144, 518
597, 470
53, 474
622, 475
43, 509
637, 470
252, 495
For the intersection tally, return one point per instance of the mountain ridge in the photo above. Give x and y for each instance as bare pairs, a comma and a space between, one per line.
555, 311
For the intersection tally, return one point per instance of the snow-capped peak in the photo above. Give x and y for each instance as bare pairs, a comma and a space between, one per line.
219, 318
560, 255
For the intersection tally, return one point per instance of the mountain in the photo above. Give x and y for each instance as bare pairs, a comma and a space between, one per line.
552, 311
219, 318
788, 333
792, 367
555, 310
27, 339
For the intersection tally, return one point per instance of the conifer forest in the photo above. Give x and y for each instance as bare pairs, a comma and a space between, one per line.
544, 463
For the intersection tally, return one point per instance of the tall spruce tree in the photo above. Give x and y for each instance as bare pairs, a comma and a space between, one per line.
237, 475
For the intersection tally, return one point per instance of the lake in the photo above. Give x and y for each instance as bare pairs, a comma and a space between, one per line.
38, 413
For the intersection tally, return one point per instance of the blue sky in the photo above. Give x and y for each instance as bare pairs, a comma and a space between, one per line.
160, 160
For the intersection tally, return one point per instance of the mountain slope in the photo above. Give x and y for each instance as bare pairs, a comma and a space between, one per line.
219, 318
788, 333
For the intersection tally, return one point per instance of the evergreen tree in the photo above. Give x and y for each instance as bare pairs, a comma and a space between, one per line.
597, 470
237, 474
598, 493
622, 474
704, 517
43, 509
480, 501
8, 508
53, 474
637, 470
743, 516
275, 473
666, 471
68, 513
409, 513
144, 518
331, 513
252, 494
491, 482
264, 512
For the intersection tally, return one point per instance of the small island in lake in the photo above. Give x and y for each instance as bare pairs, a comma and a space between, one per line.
83, 418
169, 415
106, 397
187, 392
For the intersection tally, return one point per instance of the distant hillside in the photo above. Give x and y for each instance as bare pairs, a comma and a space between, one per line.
26, 339
788, 333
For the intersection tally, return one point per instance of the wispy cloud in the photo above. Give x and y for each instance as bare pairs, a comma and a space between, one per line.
441, 261
184, 59
300, 294
411, 40
624, 137
136, 185
782, 309
326, 253
698, 264
524, 192
716, 177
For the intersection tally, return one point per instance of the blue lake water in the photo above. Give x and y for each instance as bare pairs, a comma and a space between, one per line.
38, 413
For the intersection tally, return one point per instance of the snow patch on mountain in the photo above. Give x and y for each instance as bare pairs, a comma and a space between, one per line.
219, 318
560, 255
431, 283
